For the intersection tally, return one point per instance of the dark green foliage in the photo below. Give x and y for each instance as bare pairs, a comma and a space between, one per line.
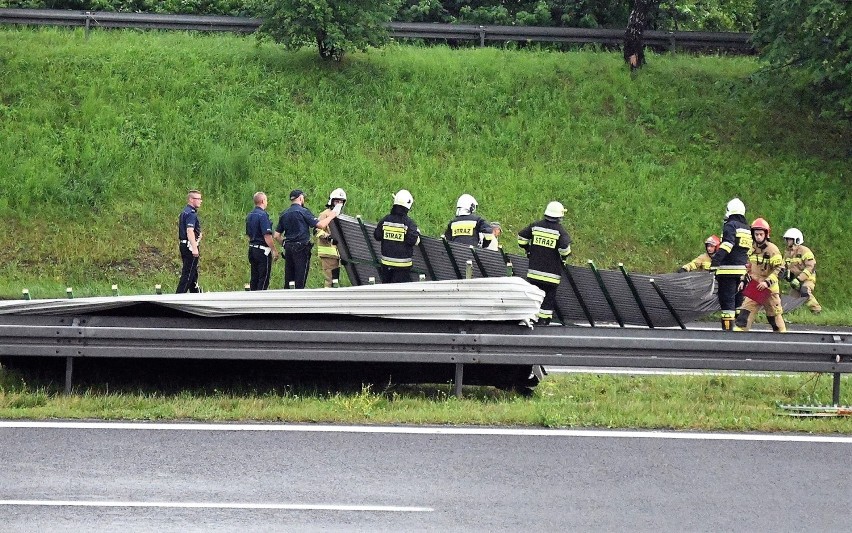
809, 43
335, 26
709, 15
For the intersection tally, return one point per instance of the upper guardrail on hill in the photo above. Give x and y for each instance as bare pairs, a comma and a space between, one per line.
688, 40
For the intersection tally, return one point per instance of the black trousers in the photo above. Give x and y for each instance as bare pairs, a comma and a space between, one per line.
548, 305
189, 271
395, 274
297, 257
728, 294
261, 268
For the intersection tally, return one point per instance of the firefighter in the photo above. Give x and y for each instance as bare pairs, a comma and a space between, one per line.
468, 228
729, 261
765, 265
326, 245
548, 246
801, 268
189, 237
702, 262
398, 235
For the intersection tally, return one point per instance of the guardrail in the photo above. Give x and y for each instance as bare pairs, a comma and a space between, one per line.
689, 40
458, 344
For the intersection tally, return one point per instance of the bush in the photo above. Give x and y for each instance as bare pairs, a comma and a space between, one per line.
335, 26
810, 40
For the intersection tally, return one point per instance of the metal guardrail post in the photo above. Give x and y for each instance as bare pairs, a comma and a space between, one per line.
835, 384
25, 293
88, 20
482, 36
459, 380
478, 261
510, 270
69, 371
576, 289
369, 244
452, 257
468, 269
427, 261
636, 296
605, 291
667, 303
346, 249
506, 258
672, 43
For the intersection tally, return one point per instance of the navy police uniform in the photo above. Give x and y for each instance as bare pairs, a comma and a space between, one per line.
258, 225
295, 224
188, 221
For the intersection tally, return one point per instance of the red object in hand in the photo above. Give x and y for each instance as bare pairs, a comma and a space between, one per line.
752, 292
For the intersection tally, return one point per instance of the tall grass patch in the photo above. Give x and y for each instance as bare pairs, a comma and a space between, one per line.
103, 136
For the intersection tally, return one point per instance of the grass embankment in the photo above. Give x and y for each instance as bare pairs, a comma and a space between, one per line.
736, 403
101, 138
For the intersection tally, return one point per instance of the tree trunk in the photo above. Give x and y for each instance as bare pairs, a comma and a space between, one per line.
634, 53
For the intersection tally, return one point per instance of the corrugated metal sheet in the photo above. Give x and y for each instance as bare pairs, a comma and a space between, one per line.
692, 294
483, 299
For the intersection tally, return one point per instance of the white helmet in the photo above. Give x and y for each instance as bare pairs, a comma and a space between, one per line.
795, 234
554, 210
336, 194
466, 205
735, 207
403, 198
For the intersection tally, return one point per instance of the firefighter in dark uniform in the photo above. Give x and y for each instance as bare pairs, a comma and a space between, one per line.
293, 231
468, 228
398, 235
730, 260
261, 251
548, 246
189, 235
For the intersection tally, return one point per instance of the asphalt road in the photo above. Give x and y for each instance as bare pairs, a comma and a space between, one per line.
295, 478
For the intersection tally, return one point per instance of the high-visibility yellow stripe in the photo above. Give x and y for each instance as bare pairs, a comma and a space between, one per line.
544, 276
399, 263
731, 270
328, 251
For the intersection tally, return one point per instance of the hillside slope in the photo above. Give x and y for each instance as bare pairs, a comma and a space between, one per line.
101, 138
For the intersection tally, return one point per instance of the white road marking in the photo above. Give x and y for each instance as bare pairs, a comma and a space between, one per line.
430, 430
212, 505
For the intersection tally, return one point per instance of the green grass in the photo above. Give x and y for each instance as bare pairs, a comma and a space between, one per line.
101, 138
739, 403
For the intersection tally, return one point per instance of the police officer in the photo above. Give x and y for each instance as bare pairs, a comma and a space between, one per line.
730, 259
801, 268
765, 265
326, 246
261, 251
293, 231
468, 228
189, 235
548, 246
702, 262
398, 235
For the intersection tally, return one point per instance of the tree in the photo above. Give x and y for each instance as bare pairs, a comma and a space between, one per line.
812, 38
335, 26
